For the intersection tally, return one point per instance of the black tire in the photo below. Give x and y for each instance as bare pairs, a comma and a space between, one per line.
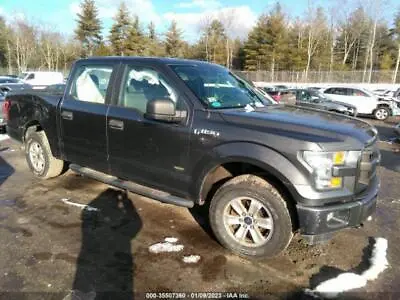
382, 113
260, 190
52, 167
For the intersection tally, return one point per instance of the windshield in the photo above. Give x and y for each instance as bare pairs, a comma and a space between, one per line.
217, 87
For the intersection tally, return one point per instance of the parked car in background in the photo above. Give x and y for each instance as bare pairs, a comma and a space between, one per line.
3, 122
276, 95
8, 79
315, 88
365, 101
315, 99
42, 78
55, 88
8, 84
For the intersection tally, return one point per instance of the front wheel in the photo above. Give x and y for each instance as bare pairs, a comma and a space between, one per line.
39, 157
250, 217
382, 113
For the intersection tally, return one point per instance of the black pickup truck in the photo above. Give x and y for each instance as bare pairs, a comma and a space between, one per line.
191, 133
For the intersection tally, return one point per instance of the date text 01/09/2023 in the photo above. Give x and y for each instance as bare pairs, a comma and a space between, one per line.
197, 295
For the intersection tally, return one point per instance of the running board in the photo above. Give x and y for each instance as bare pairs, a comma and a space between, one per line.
132, 187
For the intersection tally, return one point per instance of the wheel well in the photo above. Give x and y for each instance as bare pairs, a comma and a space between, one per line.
221, 174
384, 105
32, 126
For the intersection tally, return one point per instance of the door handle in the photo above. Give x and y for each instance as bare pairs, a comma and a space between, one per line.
116, 124
67, 115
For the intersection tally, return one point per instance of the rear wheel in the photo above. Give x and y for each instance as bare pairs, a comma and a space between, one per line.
250, 217
39, 157
382, 113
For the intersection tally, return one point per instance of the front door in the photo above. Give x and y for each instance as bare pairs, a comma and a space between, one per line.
83, 115
146, 151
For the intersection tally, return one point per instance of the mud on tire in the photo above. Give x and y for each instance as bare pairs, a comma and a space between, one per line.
229, 220
39, 157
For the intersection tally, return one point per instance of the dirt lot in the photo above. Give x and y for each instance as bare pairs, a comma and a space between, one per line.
50, 248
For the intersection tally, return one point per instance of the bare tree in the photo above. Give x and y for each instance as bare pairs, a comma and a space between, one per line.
396, 32
24, 43
227, 18
316, 29
203, 26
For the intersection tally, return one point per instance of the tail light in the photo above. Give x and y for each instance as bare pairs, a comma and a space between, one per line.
6, 109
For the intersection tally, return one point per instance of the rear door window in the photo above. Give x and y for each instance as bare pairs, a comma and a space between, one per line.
90, 83
357, 93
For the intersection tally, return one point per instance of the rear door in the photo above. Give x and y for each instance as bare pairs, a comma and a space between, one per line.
83, 114
365, 104
147, 151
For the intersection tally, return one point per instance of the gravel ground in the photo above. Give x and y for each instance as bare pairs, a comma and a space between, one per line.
50, 247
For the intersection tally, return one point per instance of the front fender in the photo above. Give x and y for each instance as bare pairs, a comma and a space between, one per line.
255, 154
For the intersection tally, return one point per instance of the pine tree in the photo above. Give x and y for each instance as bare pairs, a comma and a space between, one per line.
255, 47
173, 41
120, 30
136, 41
154, 47
88, 31
152, 31
212, 43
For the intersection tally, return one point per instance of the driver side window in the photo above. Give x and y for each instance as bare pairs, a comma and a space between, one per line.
142, 85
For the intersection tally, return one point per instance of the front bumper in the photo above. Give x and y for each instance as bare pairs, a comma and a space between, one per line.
318, 224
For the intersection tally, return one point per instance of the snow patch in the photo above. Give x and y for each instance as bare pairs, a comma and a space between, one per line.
81, 206
378, 260
167, 246
191, 259
348, 281
4, 137
171, 239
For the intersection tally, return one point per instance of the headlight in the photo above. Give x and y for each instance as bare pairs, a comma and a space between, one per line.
321, 165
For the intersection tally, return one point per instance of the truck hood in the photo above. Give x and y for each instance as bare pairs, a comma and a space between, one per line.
302, 123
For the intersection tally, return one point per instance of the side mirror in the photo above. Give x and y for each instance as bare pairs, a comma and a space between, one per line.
163, 110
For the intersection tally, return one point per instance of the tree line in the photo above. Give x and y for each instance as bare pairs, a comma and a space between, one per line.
343, 36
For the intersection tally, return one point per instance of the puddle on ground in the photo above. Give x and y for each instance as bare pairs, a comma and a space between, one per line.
8, 202
17, 202
12, 282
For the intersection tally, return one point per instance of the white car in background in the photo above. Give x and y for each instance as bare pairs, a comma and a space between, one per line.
366, 102
42, 78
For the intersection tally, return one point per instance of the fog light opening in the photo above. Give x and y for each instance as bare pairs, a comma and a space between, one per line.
338, 218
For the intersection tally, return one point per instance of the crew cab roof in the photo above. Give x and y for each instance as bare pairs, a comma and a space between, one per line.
144, 59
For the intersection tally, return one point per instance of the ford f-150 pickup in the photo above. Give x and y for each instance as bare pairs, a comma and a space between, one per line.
191, 133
